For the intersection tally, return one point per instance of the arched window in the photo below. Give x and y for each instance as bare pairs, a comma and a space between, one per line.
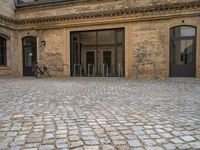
3, 61
183, 51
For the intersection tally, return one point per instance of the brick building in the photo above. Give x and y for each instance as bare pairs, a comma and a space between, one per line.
131, 38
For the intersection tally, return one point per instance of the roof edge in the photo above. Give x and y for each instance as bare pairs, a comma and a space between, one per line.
20, 4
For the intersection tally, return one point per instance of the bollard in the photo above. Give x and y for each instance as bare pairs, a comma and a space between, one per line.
120, 70
154, 71
89, 67
136, 70
79, 69
105, 67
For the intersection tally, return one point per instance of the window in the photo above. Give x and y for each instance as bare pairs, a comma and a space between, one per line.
2, 52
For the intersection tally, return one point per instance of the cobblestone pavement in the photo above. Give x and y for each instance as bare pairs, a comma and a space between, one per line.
99, 113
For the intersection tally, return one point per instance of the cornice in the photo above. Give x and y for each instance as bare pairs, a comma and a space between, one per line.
7, 22
137, 11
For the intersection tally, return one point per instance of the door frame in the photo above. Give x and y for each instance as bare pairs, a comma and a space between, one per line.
193, 38
23, 53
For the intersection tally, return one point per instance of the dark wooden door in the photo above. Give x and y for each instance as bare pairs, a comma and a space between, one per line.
29, 55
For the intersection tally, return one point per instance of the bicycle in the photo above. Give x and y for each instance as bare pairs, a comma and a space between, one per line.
40, 70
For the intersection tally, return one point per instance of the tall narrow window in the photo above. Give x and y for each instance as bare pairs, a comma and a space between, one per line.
2, 51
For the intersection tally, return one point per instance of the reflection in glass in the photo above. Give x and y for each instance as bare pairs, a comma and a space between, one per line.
183, 52
28, 57
183, 31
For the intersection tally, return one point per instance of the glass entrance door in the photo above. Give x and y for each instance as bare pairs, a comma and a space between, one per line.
102, 50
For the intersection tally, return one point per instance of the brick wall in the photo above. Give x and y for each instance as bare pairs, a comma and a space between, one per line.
54, 50
7, 8
149, 49
76, 8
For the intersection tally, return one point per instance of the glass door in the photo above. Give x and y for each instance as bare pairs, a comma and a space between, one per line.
182, 54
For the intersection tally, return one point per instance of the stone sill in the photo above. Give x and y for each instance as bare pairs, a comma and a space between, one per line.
5, 68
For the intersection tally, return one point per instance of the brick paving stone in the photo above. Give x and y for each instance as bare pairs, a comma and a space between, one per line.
184, 146
15, 143
161, 141
197, 136
195, 145
177, 140
134, 143
187, 138
119, 142
139, 148
31, 145
74, 138
76, 144
46, 147
149, 142
15, 148
91, 147
48, 136
123, 147
117, 137
154, 148
170, 146
4, 145
131, 137
104, 141
108, 147
91, 142
155, 136
166, 135
103, 113
61, 145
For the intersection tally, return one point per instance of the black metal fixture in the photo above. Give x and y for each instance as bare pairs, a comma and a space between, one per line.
43, 43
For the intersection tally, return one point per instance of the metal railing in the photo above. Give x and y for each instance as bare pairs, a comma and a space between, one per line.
77, 70
120, 70
104, 70
91, 68
154, 71
40, 70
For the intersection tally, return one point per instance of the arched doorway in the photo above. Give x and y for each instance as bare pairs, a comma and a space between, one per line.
183, 51
29, 55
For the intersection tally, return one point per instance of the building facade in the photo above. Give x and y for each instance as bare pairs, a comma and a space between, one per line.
131, 38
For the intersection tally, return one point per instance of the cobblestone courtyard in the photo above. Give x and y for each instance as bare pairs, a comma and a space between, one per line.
98, 113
